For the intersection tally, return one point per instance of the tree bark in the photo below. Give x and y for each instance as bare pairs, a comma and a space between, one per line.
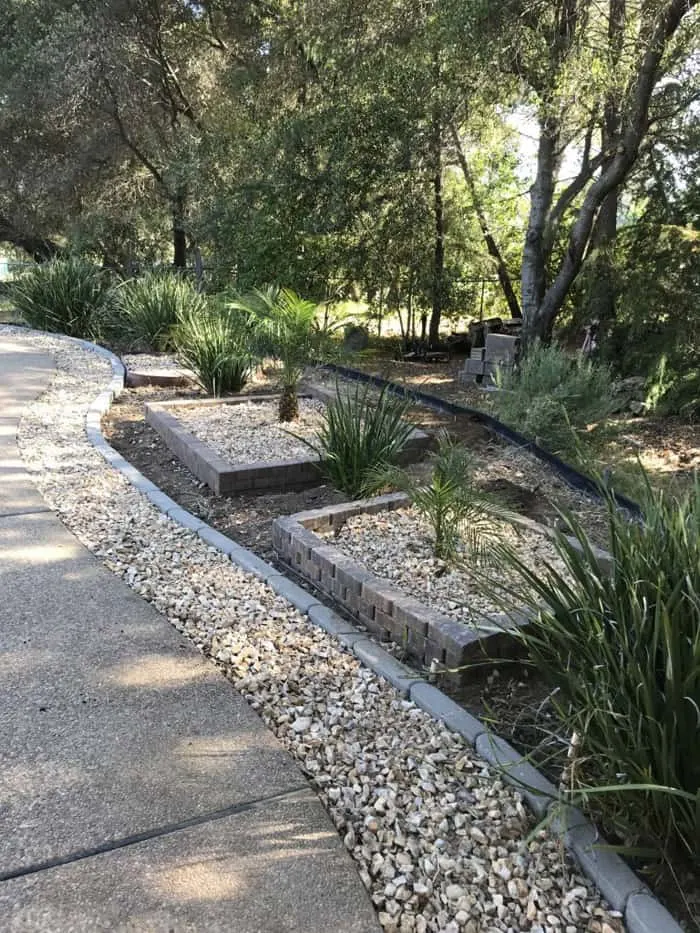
179, 234
439, 208
539, 315
601, 305
533, 275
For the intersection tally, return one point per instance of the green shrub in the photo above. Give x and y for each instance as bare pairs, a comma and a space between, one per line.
214, 341
553, 399
149, 308
461, 516
66, 296
360, 436
622, 650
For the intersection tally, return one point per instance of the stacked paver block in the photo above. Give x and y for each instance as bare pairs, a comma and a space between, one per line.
500, 350
212, 469
425, 634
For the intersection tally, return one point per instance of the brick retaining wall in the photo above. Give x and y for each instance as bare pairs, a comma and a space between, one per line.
426, 634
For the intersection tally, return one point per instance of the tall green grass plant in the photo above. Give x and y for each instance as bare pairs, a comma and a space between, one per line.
214, 341
622, 649
65, 296
361, 436
149, 308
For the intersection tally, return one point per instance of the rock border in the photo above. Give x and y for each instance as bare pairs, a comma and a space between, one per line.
427, 634
642, 912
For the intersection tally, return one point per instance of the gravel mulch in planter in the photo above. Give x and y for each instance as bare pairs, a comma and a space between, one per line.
440, 842
398, 546
251, 432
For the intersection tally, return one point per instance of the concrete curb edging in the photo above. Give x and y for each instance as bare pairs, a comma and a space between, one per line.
641, 911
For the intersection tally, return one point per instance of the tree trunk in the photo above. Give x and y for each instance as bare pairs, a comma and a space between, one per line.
539, 316
437, 133
601, 304
439, 250
534, 267
179, 235
491, 245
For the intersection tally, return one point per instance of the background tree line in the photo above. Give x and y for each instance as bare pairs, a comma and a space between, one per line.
369, 151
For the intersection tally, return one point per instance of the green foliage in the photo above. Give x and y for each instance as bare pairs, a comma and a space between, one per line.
461, 516
213, 340
66, 296
283, 327
656, 332
554, 399
623, 650
149, 308
361, 436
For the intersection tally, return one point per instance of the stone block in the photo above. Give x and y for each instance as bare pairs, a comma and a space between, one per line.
644, 914
441, 707
518, 771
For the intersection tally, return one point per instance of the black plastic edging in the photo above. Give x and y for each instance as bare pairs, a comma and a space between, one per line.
568, 473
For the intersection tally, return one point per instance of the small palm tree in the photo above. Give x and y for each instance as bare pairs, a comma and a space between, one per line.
461, 516
285, 328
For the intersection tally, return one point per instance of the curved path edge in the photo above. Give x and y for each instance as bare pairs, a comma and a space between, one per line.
624, 891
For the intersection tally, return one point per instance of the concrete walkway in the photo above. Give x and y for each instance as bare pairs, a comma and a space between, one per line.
138, 791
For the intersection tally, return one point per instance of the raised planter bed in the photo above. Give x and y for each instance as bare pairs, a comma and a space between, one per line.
302, 543
444, 636
215, 468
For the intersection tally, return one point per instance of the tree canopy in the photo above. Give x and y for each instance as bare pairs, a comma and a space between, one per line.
415, 154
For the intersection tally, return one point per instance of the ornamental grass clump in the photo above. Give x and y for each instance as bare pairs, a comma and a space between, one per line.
65, 296
622, 649
360, 436
213, 340
149, 308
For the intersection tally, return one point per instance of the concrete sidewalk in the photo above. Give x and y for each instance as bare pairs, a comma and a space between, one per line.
138, 791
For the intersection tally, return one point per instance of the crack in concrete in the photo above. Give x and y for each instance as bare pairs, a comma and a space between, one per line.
148, 834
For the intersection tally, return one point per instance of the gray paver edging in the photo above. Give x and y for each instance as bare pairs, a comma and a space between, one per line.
642, 912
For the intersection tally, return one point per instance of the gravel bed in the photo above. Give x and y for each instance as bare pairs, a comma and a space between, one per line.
441, 843
398, 545
250, 432
151, 362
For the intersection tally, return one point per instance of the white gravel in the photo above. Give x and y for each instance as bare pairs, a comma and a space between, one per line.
440, 842
151, 362
250, 432
398, 546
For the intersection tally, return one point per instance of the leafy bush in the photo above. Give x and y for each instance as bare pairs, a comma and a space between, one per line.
655, 271
66, 296
623, 650
213, 340
553, 398
149, 308
459, 513
360, 436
